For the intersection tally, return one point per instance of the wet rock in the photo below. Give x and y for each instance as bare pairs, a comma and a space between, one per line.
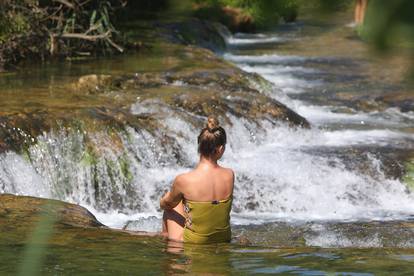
51, 226
359, 159
149, 224
18, 131
93, 83
238, 20
242, 240
193, 32
28, 210
204, 92
371, 234
404, 101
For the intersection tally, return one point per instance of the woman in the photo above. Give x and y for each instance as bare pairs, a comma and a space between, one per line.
360, 11
197, 208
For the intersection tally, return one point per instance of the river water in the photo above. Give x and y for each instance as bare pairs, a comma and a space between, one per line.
313, 187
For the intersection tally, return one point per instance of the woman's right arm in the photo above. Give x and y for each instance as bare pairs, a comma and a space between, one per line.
173, 197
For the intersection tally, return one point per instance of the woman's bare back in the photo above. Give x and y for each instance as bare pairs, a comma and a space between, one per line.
207, 183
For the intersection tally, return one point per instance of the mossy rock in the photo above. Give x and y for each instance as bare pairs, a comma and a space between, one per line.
26, 210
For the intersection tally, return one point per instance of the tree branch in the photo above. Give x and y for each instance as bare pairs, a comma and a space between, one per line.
66, 3
83, 36
116, 46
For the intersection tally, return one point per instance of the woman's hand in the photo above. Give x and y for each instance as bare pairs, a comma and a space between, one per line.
173, 197
163, 205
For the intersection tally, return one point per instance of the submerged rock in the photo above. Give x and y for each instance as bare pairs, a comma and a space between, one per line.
42, 236
403, 101
370, 234
92, 83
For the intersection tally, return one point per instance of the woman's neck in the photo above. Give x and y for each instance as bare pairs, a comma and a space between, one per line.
207, 162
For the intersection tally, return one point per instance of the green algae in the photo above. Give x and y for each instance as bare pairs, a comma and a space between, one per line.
408, 178
89, 158
125, 168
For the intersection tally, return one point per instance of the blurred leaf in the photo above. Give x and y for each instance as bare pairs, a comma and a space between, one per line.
389, 24
36, 247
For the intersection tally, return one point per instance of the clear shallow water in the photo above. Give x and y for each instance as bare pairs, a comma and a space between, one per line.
105, 258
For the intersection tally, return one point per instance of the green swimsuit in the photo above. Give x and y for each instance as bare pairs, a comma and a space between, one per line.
207, 222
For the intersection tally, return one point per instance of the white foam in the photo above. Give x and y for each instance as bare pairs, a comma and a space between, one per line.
264, 59
277, 69
331, 239
283, 77
18, 177
237, 41
378, 137
118, 220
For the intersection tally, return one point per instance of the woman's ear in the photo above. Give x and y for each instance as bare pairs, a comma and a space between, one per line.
223, 148
220, 150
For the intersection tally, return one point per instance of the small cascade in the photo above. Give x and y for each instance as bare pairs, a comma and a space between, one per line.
277, 178
283, 173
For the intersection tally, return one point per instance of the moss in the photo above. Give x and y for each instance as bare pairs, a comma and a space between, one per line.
408, 178
88, 157
110, 165
26, 155
125, 168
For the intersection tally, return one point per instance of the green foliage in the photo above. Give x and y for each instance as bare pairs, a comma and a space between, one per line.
326, 6
264, 13
389, 24
71, 25
12, 23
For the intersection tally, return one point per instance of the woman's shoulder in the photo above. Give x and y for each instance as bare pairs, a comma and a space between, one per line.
228, 170
184, 178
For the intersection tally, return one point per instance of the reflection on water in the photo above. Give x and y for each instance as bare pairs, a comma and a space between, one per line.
232, 259
138, 257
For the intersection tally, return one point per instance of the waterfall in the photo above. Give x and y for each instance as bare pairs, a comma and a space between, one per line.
282, 173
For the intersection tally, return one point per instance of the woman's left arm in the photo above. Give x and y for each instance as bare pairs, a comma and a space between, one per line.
173, 197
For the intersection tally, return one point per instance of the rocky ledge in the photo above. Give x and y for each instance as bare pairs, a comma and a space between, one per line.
200, 83
25, 210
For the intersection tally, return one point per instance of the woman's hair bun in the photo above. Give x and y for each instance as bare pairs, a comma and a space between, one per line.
212, 123
211, 137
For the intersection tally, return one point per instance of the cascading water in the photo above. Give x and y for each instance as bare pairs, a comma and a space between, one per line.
283, 173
